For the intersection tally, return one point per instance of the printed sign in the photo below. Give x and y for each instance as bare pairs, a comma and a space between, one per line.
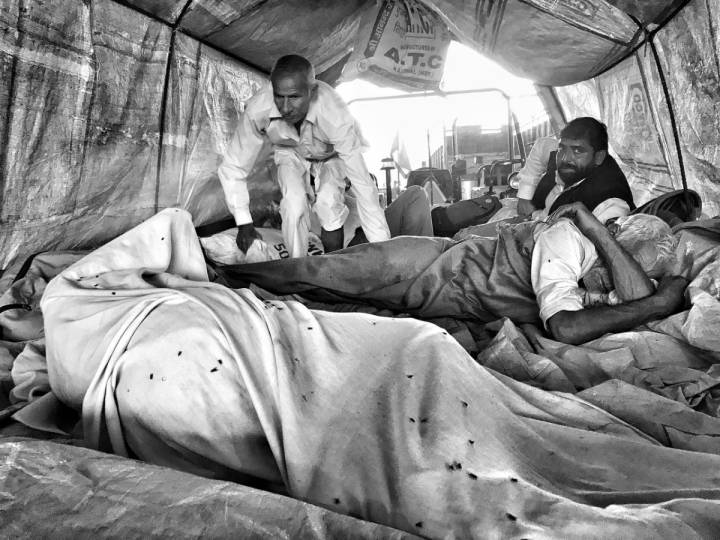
401, 43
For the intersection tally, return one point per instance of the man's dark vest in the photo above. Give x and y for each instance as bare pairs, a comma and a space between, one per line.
606, 181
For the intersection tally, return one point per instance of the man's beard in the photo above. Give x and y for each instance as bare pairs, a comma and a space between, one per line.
570, 174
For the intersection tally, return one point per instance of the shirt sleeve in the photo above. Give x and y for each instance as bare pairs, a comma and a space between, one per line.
611, 208
561, 256
238, 162
348, 143
535, 166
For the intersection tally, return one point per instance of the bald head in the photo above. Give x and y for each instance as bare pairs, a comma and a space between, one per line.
649, 240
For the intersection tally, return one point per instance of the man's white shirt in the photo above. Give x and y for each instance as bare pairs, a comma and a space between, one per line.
328, 129
561, 257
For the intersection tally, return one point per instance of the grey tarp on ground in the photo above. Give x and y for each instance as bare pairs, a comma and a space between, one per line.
52, 490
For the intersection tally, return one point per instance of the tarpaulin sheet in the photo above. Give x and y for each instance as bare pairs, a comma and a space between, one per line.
52, 490
689, 50
206, 96
84, 90
630, 98
552, 43
259, 31
81, 127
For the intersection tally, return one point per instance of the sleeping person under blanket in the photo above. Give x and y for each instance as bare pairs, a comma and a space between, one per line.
386, 419
578, 277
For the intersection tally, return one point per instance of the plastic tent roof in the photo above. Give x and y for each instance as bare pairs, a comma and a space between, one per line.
578, 39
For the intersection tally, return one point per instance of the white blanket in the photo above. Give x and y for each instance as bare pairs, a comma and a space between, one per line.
386, 419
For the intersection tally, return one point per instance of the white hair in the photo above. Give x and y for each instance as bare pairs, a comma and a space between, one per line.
649, 240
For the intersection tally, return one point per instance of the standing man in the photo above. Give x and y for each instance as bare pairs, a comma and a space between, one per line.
578, 168
316, 144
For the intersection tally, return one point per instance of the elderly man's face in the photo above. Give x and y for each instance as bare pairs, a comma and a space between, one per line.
293, 94
575, 159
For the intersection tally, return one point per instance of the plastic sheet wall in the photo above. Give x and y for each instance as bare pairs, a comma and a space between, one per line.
631, 99
91, 141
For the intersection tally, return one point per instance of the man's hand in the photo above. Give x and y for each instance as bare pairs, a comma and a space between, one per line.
670, 294
525, 207
579, 214
245, 236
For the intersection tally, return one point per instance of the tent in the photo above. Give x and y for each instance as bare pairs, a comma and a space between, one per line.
116, 109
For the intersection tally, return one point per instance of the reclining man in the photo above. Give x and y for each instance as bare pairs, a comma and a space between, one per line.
530, 272
578, 168
312, 134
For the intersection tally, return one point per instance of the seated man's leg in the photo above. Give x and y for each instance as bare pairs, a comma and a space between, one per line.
330, 202
409, 214
294, 208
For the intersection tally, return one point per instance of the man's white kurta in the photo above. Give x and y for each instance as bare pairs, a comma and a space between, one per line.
328, 130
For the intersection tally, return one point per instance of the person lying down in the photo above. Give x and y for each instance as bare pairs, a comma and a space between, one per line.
386, 419
576, 276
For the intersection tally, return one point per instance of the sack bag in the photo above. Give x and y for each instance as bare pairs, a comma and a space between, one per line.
676, 207
401, 43
448, 220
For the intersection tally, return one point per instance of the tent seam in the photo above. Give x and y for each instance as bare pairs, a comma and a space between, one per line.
673, 124
577, 25
713, 35
655, 114
91, 106
9, 115
164, 99
649, 34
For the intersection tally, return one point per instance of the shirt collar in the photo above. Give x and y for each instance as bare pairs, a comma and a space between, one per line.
312, 113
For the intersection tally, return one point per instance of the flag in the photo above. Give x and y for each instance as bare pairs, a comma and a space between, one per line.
399, 155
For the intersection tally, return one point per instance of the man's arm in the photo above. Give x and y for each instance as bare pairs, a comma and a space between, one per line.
629, 279
641, 302
576, 327
348, 144
239, 159
531, 173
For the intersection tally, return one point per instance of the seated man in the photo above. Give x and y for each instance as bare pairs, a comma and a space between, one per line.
312, 134
578, 168
529, 272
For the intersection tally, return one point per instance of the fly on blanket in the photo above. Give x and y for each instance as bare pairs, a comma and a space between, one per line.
387, 419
